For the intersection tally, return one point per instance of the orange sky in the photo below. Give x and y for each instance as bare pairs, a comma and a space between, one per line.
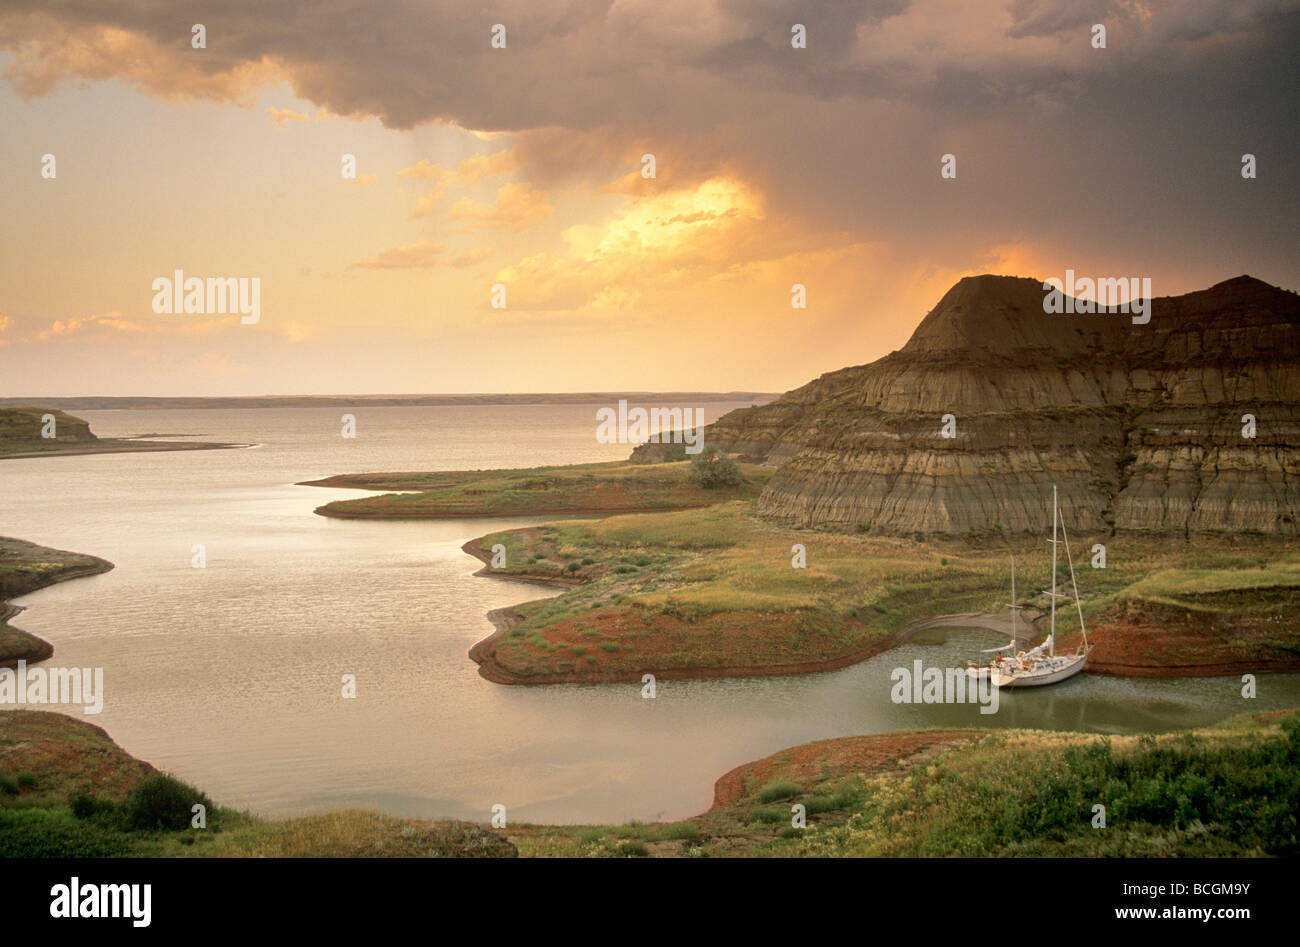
522, 166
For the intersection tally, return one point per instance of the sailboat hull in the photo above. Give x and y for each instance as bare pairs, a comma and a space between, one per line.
1045, 671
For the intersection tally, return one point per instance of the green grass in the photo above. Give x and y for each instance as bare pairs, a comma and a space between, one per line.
614, 487
682, 831
1231, 790
1205, 794
714, 587
777, 791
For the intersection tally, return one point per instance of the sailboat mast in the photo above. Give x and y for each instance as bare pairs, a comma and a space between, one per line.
1013, 600
1053, 632
1078, 602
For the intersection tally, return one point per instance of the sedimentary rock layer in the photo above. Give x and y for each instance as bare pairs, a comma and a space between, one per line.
1139, 425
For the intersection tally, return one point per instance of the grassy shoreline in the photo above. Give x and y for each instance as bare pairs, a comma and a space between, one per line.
1231, 789
1227, 790
712, 593
68, 790
107, 445
24, 568
506, 620
578, 489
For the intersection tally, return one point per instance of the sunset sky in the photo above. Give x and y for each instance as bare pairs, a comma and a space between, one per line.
522, 166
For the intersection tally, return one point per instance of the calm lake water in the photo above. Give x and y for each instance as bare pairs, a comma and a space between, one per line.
229, 676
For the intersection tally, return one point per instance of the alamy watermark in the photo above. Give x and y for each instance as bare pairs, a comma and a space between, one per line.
212, 296
130, 901
53, 686
1085, 295
936, 685
633, 426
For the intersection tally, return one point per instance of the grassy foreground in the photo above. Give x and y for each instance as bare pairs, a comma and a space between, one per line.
714, 592
616, 487
1231, 790
67, 790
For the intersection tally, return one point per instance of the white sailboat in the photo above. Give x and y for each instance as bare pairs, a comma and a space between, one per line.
1041, 665
984, 670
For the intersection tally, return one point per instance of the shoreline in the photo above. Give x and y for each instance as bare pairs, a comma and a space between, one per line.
597, 489
485, 514
892, 750
504, 620
75, 566
1226, 669
141, 447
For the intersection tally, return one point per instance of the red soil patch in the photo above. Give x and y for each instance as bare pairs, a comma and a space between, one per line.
738, 643
611, 495
733, 643
80, 755
1148, 642
824, 760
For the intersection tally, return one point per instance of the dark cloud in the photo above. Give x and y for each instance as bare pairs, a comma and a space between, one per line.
1134, 148
589, 63
1052, 17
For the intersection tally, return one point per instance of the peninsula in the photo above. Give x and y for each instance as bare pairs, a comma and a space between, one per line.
24, 568
50, 432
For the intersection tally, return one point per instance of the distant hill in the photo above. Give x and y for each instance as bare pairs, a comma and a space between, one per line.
23, 427
1139, 425
23, 430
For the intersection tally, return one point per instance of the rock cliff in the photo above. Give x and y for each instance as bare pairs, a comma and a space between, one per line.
1141, 426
